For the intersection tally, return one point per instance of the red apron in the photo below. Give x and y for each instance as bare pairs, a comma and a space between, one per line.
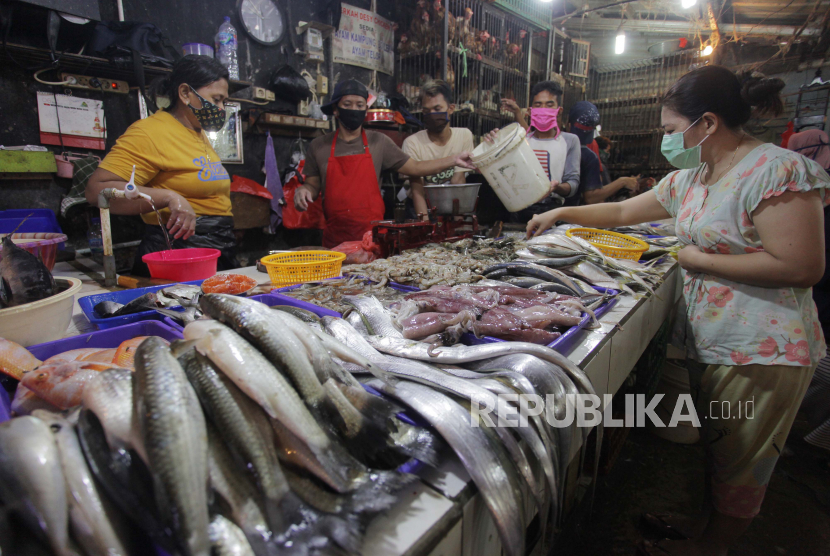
352, 199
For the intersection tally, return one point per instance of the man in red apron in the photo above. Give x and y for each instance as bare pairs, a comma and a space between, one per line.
346, 165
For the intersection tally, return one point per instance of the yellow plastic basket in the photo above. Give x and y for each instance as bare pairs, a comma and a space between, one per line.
612, 244
287, 269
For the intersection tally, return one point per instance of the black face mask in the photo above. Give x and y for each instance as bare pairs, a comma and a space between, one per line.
351, 119
209, 116
436, 121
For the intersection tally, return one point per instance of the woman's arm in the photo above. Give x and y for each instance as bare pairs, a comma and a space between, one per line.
645, 208
182, 221
791, 228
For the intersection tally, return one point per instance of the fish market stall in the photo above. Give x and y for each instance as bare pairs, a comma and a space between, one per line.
443, 511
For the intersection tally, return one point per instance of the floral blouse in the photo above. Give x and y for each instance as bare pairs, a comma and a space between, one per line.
729, 323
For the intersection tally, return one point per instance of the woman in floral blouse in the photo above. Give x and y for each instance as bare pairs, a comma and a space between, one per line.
751, 217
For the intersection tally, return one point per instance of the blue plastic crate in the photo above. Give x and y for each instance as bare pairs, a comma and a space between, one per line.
88, 303
41, 220
104, 339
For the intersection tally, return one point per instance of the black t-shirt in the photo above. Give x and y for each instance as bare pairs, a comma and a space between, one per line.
589, 176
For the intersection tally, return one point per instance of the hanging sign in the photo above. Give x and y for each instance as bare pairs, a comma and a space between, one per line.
364, 39
78, 122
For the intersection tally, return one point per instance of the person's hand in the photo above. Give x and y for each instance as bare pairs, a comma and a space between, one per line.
542, 222
491, 137
630, 183
553, 185
302, 198
691, 258
182, 221
509, 104
465, 160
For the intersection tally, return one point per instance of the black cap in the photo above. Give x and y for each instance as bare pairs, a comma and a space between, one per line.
345, 88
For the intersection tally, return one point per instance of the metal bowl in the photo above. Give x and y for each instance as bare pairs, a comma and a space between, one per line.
443, 197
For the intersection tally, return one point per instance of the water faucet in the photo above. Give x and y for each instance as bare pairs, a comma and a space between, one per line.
131, 192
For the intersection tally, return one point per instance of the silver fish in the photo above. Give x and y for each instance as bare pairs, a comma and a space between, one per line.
110, 397
378, 320
96, 524
594, 275
354, 318
499, 487
226, 539
172, 427
31, 479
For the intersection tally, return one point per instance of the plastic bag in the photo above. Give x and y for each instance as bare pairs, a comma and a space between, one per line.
289, 85
245, 185
291, 217
359, 252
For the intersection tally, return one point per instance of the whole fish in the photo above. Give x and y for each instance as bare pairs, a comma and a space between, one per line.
356, 321
499, 488
15, 359
501, 272
561, 262
226, 539
172, 428
594, 275
95, 522
61, 384
547, 275
524, 281
554, 288
502, 266
109, 396
235, 416
553, 252
377, 319
31, 479
146, 302
23, 277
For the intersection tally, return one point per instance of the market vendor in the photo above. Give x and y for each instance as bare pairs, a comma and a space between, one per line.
438, 140
176, 166
345, 166
751, 216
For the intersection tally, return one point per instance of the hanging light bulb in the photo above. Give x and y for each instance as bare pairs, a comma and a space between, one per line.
686, 4
707, 50
619, 44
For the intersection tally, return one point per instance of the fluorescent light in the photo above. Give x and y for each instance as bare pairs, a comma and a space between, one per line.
707, 50
619, 44
686, 4
545, 1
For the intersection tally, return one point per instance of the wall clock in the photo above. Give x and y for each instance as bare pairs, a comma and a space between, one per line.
264, 20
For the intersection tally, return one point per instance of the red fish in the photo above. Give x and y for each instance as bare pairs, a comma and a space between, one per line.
15, 359
62, 384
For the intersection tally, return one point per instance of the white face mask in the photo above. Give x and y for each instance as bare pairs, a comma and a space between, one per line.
674, 149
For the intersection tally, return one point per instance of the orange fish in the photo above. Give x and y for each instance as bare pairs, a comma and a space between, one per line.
101, 356
62, 384
73, 355
15, 359
25, 402
125, 354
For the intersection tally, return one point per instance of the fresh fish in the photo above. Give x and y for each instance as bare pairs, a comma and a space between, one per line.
501, 266
500, 273
109, 395
146, 302
302, 314
377, 319
185, 294
125, 354
554, 288
173, 430
107, 309
23, 277
25, 402
553, 252
524, 281
499, 488
61, 384
226, 539
15, 359
125, 479
562, 262
31, 474
185, 317
585, 286
235, 487
594, 275
95, 523
547, 275
235, 416
356, 321
72, 355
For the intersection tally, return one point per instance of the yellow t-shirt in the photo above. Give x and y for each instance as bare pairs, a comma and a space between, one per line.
167, 155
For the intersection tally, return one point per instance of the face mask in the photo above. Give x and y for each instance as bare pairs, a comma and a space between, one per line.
351, 119
209, 116
544, 119
674, 149
436, 121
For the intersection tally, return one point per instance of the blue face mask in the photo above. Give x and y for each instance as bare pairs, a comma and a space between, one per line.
675, 151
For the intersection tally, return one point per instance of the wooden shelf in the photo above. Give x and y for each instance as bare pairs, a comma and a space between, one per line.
92, 65
282, 124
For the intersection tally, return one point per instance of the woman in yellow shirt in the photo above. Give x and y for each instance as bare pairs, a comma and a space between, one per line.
176, 165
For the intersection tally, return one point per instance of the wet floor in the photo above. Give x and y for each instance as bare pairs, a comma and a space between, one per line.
657, 476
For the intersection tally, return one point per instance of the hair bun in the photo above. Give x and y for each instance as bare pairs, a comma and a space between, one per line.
761, 92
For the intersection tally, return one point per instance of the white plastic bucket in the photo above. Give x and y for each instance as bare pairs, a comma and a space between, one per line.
512, 169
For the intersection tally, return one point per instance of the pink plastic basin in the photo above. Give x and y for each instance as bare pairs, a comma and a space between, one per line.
182, 265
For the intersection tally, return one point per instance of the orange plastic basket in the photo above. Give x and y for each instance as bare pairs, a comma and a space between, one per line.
287, 269
612, 244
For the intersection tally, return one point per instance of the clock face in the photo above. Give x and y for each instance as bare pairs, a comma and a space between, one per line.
263, 20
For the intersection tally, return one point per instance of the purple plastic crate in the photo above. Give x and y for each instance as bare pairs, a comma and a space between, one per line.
88, 303
564, 343
105, 339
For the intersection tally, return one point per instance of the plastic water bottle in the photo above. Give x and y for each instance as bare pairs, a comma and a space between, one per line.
226, 45
94, 237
